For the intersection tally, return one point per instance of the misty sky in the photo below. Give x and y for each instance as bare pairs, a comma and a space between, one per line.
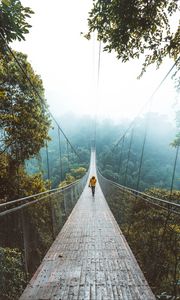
67, 63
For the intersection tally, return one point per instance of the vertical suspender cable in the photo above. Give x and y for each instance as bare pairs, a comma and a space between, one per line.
24, 72
51, 208
60, 153
39, 159
141, 160
142, 153
174, 170
68, 156
129, 151
47, 158
121, 154
143, 146
98, 77
149, 100
99, 64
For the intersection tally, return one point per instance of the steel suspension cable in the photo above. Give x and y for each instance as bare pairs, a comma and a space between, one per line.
99, 64
37, 93
142, 152
174, 170
148, 101
47, 159
145, 136
39, 159
60, 153
121, 154
141, 161
97, 89
68, 157
129, 151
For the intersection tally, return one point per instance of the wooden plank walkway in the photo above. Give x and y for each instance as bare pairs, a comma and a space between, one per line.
90, 258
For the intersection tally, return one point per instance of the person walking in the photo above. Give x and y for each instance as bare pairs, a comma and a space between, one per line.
92, 184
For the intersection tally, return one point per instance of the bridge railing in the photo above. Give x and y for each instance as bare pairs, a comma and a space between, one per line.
28, 227
152, 229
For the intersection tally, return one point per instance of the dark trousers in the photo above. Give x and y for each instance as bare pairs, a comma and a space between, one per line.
93, 190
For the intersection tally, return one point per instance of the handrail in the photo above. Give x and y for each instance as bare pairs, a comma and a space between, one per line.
39, 194
33, 201
46, 195
144, 196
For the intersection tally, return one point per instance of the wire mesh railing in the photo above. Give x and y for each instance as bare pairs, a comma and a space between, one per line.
28, 227
152, 229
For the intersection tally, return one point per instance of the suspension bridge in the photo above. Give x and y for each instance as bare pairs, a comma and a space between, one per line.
72, 241
90, 258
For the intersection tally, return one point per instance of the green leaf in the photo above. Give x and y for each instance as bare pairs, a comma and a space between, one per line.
6, 2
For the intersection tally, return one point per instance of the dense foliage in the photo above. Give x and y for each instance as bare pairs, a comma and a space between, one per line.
122, 163
11, 273
24, 126
156, 171
132, 28
73, 176
153, 235
13, 24
24, 122
119, 164
62, 160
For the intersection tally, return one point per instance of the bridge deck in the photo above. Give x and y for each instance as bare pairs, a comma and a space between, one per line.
90, 258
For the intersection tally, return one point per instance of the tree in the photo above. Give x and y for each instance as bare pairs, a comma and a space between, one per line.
24, 122
12, 282
132, 28
78, 172
13, 23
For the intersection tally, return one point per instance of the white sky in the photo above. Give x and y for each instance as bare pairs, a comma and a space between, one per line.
67, 63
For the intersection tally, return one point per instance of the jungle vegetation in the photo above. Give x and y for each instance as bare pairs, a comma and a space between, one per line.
25, 129
153, 236
120, 162
135, 29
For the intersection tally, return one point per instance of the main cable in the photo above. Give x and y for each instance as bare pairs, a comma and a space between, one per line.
150, 99
36, 91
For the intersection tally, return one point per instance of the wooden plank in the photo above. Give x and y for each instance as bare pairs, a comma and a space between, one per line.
90, 259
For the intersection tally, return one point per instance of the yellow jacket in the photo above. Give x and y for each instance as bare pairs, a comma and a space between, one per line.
92, 182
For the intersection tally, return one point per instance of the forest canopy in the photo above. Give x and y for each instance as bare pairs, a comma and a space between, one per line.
13, 23
24, 120
133, 28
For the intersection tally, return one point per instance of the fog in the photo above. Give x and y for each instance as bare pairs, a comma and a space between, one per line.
68, 65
